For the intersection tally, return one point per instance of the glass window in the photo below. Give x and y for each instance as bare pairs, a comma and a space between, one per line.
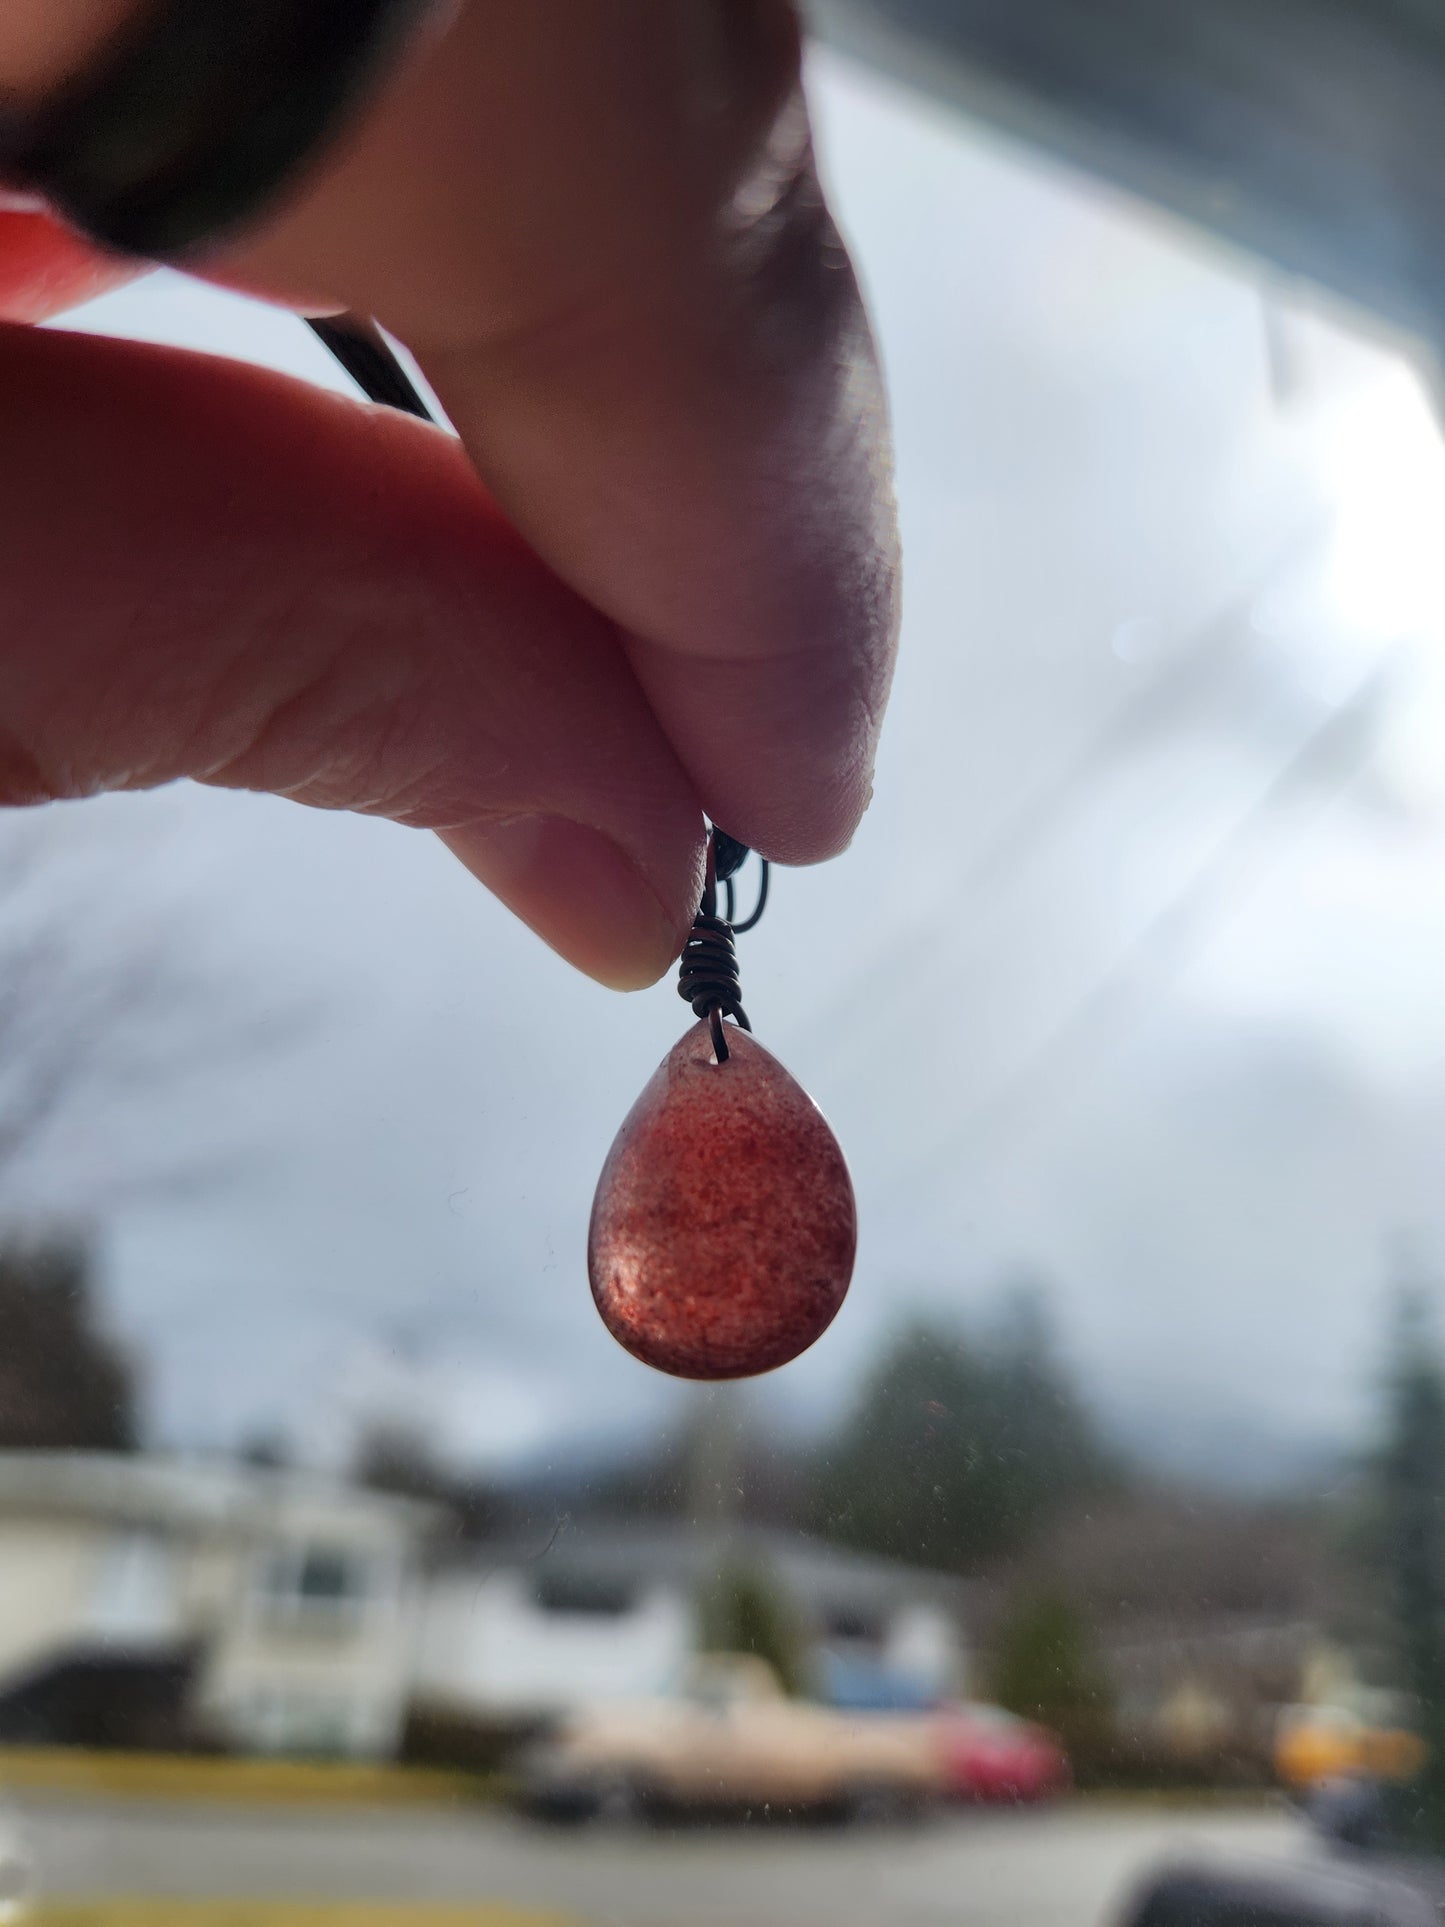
318, 1583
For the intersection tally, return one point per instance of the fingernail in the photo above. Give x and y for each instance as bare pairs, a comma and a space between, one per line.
578, 891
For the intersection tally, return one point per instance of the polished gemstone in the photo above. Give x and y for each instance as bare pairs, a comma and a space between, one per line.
724, 1228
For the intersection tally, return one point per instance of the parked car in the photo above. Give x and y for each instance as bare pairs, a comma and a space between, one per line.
1351, 1814
989, 1754
730, 1740
1315, 1745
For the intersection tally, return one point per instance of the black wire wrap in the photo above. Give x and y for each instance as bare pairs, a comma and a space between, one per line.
708, 975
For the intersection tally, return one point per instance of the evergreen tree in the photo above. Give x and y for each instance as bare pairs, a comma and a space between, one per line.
399, 1459
956, 1452
1413, 1482
745, 1610
1046, 1671
64, 1386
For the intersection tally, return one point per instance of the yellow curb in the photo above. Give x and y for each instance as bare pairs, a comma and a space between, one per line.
284, 1913
168, 1776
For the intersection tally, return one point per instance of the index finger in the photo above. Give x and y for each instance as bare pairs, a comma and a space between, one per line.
600, 230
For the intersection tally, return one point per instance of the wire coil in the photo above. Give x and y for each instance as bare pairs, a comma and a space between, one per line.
708, 974
708, 977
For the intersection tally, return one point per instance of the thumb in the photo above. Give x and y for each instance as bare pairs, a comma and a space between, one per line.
600, 230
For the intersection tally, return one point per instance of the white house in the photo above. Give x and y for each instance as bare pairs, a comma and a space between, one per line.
521, 1631
277, 1606
162, 1601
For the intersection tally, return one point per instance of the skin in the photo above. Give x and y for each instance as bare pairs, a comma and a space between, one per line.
657, 576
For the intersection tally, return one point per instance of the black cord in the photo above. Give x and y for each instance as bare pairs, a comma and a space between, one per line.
751, 923
367, 357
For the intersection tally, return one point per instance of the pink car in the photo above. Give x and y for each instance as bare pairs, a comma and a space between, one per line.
988, 1754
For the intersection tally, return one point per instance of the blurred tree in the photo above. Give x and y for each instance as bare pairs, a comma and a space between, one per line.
1046, 1671
269, 1450
1174, 1559
1412, 1473
103, 1001
768, 1474
955, 1452
107, 1000
397, 1458
63, 1384
744, 1610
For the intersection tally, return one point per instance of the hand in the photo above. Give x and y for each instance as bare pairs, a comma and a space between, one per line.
656, 577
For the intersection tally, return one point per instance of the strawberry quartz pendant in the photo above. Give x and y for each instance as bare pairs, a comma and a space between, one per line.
724, 1228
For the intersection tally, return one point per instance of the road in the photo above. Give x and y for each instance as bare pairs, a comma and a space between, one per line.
1067, 1868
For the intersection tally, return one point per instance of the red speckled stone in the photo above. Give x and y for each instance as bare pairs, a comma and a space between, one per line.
724, 1227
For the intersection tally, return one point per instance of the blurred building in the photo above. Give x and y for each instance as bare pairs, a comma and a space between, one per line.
1215, 1683
149, 1601
520, 1631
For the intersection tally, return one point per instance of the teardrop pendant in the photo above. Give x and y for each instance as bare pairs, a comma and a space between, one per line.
724, 1227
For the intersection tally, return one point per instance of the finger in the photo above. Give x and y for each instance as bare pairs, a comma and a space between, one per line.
44, 269
599, 227
207, 570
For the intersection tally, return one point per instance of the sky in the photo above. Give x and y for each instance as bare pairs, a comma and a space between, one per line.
1143, 934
